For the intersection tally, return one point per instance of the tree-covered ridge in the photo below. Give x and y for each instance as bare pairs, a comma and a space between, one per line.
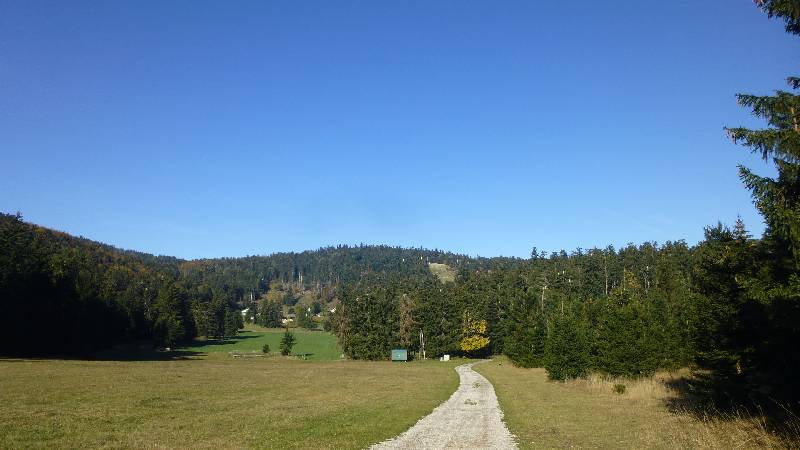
83, 295
330, 266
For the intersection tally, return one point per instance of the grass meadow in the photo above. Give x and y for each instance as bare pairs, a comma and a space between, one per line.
442, 271
215, 401
316, 345
201, 397
589, 414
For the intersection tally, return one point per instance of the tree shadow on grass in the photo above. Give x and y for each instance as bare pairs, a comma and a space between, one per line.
117, 354
214, 342
148, 355
196, 344
704, 399
141, 351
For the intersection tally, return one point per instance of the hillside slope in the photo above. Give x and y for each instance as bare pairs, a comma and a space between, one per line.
82, 295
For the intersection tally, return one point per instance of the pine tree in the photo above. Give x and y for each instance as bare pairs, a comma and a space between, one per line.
726, 332
217, 309
168, 322
230, 323
567, 348
526, 337
287, 342
625, 345
775, 289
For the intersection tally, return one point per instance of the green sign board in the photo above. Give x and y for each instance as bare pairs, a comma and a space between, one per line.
400, 354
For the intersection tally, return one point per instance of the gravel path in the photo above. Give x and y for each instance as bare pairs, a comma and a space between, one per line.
470, 419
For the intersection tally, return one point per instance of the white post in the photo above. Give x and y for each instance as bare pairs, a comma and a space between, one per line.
422, 343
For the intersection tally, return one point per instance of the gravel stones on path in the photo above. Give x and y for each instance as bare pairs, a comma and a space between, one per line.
470, 419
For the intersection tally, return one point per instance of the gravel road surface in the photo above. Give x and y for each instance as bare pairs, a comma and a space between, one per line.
470, 419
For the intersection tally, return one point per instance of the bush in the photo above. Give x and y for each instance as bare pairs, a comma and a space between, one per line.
265, 348
619, 389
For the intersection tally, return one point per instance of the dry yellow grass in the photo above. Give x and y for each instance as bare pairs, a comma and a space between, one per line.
589, 414
698, 429
443, 272
636, 390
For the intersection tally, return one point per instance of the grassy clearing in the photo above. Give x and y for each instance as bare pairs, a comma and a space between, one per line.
215, 402
589, 414
444, 272
319, 345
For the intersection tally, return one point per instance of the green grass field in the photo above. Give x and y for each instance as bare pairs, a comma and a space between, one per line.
215, 401
317, 345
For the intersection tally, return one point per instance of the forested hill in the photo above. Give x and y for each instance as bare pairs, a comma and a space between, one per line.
81, 295
330, 266
65, 294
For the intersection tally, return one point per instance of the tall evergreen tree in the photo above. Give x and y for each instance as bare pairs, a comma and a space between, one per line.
526, 335
287, 342
168, 321
567, 348
625, 343
231, 323
728, 320
775, 288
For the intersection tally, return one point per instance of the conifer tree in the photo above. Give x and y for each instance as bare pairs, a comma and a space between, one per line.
567, 348
625, 345
287, 342
168, 321
726, 316
526, 335
230, 323
775, 289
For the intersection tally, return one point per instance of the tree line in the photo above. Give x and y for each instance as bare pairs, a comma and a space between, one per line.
630, 311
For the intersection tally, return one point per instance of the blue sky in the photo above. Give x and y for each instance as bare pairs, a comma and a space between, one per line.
204, 129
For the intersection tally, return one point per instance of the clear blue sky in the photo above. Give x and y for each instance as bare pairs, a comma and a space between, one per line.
203, 129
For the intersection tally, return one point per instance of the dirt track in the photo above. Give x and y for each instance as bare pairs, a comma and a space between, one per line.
470, 419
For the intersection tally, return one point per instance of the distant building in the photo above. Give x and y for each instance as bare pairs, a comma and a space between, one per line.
288, 318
